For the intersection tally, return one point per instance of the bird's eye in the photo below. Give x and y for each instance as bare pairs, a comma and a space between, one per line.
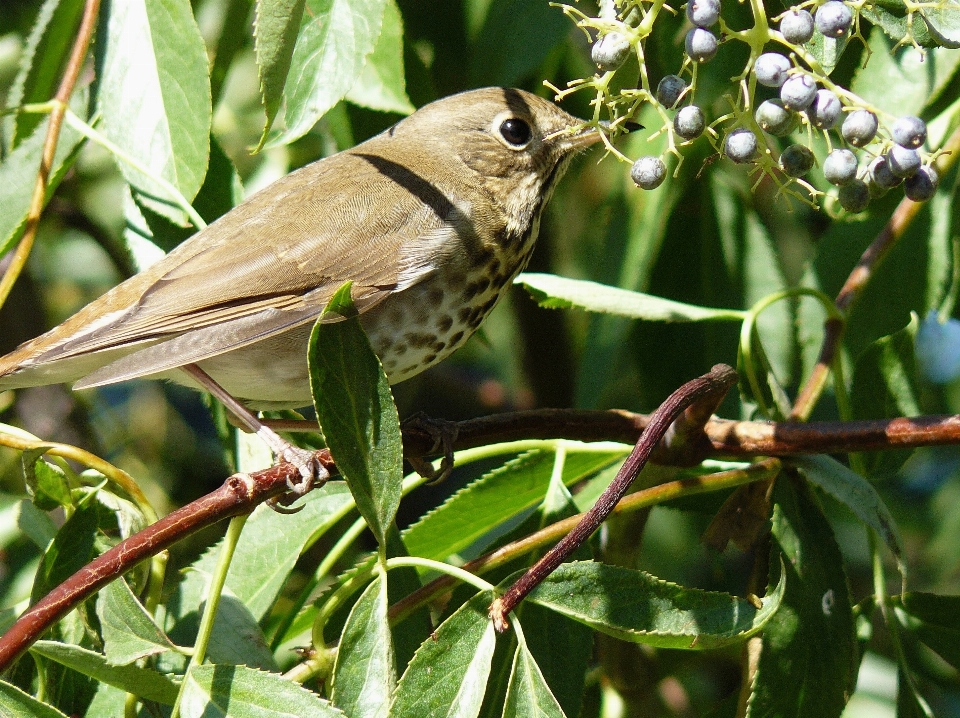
516, 132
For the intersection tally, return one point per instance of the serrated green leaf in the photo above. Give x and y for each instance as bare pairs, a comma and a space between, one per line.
355, 407
42, 63
637, 607
14, 703
505, 492
903, 81
935, 620
892, 18
556, 292
275, 34
18, 172
335, 40
943, 21
154, 97
128, 631
448, 675
528, 695
364, 674
809, 656
240, 692
142, 682
381, 85
856, 493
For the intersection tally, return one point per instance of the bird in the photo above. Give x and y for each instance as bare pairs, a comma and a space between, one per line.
431, 220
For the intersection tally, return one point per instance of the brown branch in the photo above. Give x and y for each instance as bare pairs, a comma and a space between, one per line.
60, 100
239, 494
708, 389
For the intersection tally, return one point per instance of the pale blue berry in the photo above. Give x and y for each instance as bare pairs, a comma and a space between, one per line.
776, 119
703, 13
648, 172
689, 122
797, 26
741, 145
669, 90
840, 167
854, 196
859, 127
903, 162
610, 51
833, 19
771, 69
797, 92
910, 132
701, 45
824, 112
922, 185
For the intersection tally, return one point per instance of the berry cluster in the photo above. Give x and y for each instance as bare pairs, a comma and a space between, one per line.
864, 158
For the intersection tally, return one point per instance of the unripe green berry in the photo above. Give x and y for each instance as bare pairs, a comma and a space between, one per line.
774, 118
648, 172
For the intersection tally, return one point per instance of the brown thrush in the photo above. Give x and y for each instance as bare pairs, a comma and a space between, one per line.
431, 220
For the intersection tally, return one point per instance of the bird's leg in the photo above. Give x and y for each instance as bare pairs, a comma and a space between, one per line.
311, 471
444, 434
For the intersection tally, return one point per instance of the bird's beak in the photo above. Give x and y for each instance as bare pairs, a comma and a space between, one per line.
577, 141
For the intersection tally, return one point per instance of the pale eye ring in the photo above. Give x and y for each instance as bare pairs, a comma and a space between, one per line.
515, 131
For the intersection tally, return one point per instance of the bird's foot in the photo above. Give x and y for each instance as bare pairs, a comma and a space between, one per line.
444, 435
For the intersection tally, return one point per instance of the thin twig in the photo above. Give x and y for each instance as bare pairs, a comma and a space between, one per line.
60, 101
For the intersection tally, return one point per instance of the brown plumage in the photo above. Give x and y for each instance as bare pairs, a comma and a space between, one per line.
431, 220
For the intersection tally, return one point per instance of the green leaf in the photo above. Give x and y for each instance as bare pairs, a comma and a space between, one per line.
943, 21
448, 675
352, 397
637, 607
42, 63
809, 655
213, 691
827, 50
935, 620
556, 292
856, 493
381, 85
128, 631
270, 545
885, 386
71, 550
364, 674
36, 525
516, 37
14, 703
335, 40
891, 16
46, 484
142, 682
154, 97
498, 496
528, 694
18, 172
275, 32
903, 81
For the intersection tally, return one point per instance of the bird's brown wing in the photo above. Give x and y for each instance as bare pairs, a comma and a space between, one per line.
269, 265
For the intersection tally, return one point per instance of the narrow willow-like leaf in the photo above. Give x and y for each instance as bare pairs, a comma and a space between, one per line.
556, 292
154, 96
129, 632
142, 682
42, 62
935, 620
856, 493
364, 674
335, 41
275, 34
808, 657
382, 85
448, 675
528, 695
505, 492
827, 50
352, 397
71, 549
241, 692
14, 703
944, 24
637, 607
